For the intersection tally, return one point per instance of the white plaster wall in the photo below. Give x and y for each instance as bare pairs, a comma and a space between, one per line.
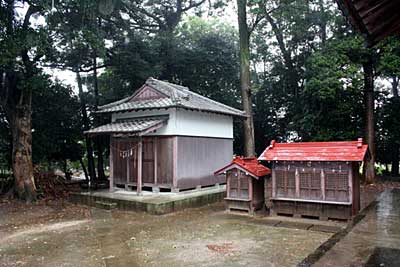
187, 123
194, 123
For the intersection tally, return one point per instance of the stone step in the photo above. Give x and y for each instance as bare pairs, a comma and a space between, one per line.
105, 205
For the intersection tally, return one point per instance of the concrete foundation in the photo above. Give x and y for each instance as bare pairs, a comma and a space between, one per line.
153, 203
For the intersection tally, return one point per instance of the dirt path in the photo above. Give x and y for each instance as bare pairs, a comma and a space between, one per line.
70, 235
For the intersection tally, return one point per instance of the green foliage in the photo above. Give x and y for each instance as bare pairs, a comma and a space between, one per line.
207, 59
332, 86
55, 124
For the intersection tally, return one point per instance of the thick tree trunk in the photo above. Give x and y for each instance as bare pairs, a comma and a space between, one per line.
20, 124
245, 87
89, 148
369, 166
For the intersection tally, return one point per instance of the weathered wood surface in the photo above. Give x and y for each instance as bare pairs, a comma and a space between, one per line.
199, 157
243, 191
312, 180
316, 189
163, 146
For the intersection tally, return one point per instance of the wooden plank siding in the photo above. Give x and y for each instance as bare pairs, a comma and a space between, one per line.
163, 146
322, 189
176, 161
312, 180
199, 157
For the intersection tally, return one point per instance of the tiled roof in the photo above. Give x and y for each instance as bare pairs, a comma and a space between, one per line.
176, 96
250, 165
316, 151
137, 126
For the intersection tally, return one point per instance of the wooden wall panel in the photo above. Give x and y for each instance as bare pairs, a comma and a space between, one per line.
199, 158
148, 160
164, 163
120, 164
164, 160
310, 183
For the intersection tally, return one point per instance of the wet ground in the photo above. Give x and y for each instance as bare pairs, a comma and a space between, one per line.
56, 235
63, 234
374, 241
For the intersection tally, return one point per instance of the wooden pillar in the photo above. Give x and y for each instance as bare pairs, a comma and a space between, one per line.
139, 169
128, 171
250, 185
350, 183
297, 178
175, 163
273, 182
111, 178
323, 184
228, 184
155, 143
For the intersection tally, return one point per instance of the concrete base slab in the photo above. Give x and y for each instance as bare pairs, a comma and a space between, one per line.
153, 203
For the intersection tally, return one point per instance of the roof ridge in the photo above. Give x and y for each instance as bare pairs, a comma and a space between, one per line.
216, 102
177, 95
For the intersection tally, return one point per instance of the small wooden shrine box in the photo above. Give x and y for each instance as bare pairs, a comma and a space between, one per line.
315, 179
244, 184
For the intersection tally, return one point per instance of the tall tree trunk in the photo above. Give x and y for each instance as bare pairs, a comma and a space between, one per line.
245, 86
395, 146
167, 54
98, 141
20, 124
89, 148
369, 166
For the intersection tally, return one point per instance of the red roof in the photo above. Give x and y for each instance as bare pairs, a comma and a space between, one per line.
249, 165
316, 151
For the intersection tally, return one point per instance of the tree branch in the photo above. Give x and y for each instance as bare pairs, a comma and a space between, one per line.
193, 4
258, 19
31, 10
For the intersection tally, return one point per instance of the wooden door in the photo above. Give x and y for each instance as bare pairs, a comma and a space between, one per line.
148, 160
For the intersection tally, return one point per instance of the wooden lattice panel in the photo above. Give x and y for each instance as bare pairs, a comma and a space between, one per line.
239, 185
285, 183
337, 186
310, 185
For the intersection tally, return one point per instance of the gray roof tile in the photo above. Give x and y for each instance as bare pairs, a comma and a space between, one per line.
137, 126
177, 96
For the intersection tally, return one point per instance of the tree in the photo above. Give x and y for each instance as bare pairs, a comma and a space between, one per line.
160, 17
79, 28
245, 83
369, 105
22, 47
56, 124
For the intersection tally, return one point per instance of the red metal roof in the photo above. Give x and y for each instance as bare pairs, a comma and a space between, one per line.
250, 165
316, 151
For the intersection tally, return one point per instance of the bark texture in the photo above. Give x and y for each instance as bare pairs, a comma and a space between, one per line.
369, 166
20, 124
245, 86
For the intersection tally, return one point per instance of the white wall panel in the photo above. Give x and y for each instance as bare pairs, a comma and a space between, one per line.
187, 123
